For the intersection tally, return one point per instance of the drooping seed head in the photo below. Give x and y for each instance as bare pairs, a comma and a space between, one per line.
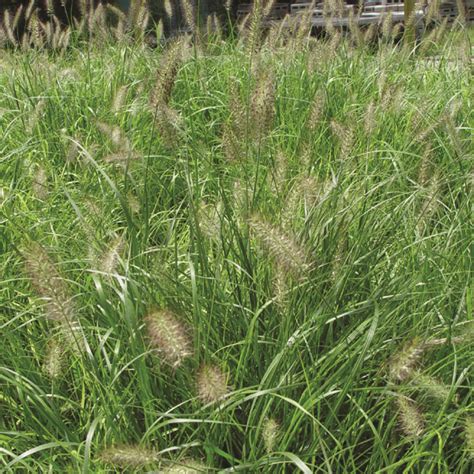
410, 417
287, 253
186, 466
49, 284
403, 363
128, 456
168, 337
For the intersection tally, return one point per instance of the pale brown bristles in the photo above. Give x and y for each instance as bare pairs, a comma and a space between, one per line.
469, 435
119, 99
404, 362
55, 358
186, 466
432, 387
270, 434
262, 105
49, 284
166, 75
424, 172
316, 110
345, 135
211, 384
128, 456
40, 184
110, 260
116, 136
287, 253
168, 337
410, 417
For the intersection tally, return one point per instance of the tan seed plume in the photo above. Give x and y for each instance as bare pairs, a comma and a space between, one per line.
168, 336
128, 456
211, 383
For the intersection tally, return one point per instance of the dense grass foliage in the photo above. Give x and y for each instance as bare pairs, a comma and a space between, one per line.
241, 258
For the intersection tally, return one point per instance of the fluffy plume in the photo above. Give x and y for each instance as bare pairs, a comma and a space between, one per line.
40, 184
316, 110
166, 75
110, 259
404, 362
345, 135
49, 284
209, 221
116, 136
370, 118
119, 99
432, 387
55, 358
211, 383
36, 115
469, 435
410, 417
128, 456
287, 253
424, 171
186, 466
270, 434
168, 337
262, 107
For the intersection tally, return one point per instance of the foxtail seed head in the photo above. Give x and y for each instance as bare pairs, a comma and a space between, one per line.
270, 434
410, 417
403, 363
128, 456
211, 383
168, 337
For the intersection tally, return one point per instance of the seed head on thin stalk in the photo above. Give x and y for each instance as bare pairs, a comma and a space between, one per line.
370, 120
282, 247
186, 466
168, 337
425, 168
469, 435
36, 116
166, 75
316, 112
263, 104
39, 185
110, 259
49, 284
211, 383
433, 387
128, 456
119, 99
410, 417
430, 203
55, 358
116, 136
403, 363
270, 434
387, 26
345, 135
210, 221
